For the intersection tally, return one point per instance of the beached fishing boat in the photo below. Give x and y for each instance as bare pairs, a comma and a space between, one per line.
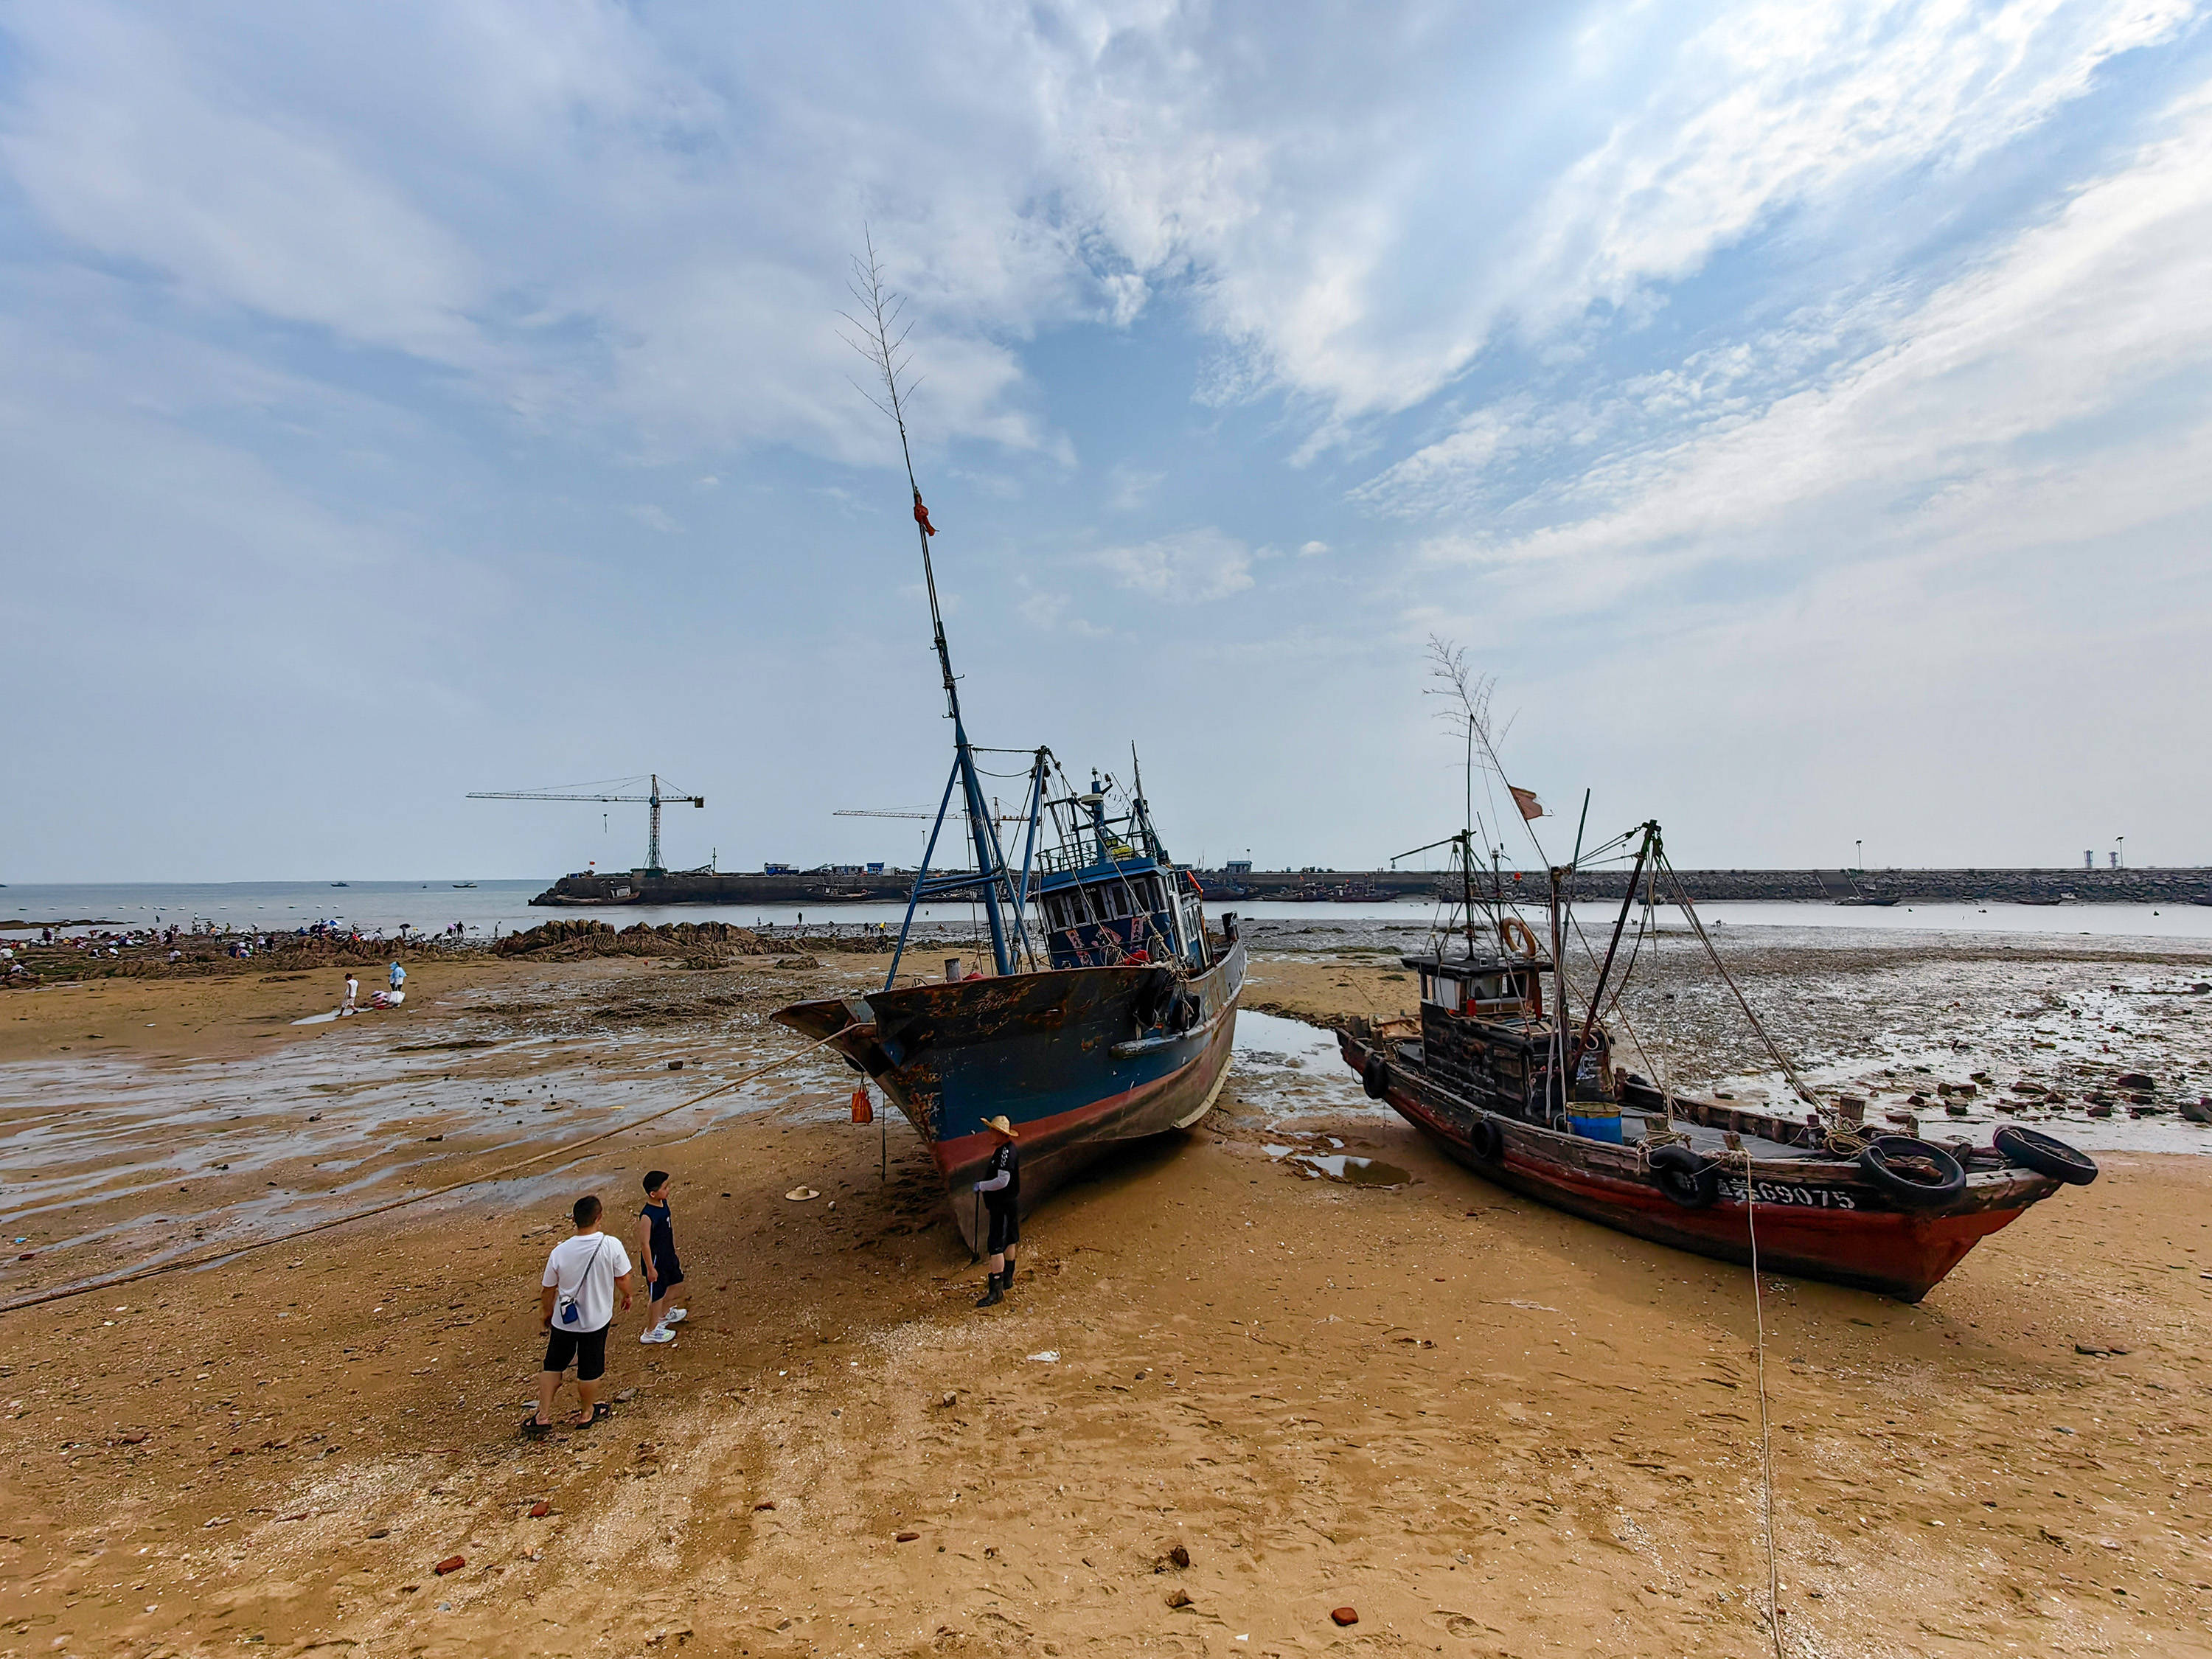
1106, 1011
1523, 1090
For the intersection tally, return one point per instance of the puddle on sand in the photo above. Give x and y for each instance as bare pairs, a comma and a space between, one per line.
1353, 1172
1287, 1068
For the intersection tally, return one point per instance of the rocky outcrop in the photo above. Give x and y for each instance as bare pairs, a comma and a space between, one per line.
566, 941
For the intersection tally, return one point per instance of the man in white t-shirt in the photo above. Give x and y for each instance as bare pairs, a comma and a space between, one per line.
582, 1277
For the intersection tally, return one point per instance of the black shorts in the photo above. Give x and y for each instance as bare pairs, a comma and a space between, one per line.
661, 1287
1006, 1229
587, 1350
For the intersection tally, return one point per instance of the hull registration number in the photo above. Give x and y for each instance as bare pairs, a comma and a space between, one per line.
1781, 1192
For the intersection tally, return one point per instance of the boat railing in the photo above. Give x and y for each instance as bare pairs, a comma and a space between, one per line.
1122, 859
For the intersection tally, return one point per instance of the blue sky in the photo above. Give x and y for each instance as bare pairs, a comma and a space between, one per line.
1803, 412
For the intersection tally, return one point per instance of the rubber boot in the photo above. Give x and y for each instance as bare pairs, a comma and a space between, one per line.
992, 1297
1007, 1279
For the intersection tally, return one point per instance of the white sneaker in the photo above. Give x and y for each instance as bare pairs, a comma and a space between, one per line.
675, 1316
659, 1333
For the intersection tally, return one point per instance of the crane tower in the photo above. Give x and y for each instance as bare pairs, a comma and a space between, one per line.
653, 799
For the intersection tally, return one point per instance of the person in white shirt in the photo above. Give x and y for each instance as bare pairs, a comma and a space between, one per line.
353, 990
582, 1277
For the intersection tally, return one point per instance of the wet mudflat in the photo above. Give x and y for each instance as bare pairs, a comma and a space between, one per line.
1490, 1428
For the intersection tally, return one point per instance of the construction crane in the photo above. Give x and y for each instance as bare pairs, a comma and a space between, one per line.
653, 798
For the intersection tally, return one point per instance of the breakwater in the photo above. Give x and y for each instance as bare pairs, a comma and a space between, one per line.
2173, 885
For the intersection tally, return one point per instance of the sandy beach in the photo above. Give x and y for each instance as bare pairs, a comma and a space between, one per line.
1488, 1428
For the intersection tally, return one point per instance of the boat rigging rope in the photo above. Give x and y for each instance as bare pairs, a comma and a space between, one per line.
227, 1254
1766, 1436
1797, 1082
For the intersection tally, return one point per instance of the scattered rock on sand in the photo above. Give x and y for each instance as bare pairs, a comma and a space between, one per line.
1346, 1615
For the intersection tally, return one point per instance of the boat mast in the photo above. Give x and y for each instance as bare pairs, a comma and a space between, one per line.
1620, 924
878, 325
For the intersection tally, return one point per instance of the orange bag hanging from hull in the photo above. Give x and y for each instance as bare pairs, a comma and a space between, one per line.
864, 1110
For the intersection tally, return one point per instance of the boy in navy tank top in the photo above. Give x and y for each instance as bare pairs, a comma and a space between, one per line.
664, 1273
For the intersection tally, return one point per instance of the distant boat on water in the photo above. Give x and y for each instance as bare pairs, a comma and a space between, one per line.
463, 884
341, 884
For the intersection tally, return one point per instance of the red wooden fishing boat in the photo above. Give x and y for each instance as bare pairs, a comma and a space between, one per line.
1528, 1096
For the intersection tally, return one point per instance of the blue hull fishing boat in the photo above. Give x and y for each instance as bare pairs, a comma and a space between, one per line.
1106, 1016
1106, 1012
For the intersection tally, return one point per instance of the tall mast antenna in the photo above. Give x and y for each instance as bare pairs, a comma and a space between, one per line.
881, 328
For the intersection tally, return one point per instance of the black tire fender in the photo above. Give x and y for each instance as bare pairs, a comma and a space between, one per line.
2046, 1155
1918, 1173
1375, 1077
1691, 1181
1486, 1140
1155, 999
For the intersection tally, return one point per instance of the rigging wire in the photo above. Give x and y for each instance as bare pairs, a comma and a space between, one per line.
1797, 1082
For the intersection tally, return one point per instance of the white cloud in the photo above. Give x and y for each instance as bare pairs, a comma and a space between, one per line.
592, 213
1192, 564
1947, 429
1373, 276
1751, 346
1043, 610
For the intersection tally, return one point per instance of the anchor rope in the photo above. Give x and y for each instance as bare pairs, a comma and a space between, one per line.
1765, 1434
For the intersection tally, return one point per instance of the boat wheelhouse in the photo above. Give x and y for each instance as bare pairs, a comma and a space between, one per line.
1109, 894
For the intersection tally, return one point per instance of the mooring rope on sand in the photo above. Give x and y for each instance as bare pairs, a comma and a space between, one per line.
1765, 1438
233, 1250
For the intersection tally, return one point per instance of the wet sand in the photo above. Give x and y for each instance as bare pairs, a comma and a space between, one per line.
1489, 1428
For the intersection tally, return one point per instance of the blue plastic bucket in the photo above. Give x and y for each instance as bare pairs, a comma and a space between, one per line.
1606, 1128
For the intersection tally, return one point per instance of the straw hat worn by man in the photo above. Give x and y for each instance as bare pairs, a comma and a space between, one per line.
1001, 1187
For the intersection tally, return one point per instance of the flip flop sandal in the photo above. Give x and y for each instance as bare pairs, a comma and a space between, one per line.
534, 1430
600, 1414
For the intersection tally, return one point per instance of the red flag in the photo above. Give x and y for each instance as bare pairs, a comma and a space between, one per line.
921, 515
1526, 801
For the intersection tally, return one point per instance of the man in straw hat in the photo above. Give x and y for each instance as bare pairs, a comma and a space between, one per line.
1001, 1187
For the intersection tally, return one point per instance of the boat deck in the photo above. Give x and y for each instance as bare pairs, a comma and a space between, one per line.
1712, 1141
